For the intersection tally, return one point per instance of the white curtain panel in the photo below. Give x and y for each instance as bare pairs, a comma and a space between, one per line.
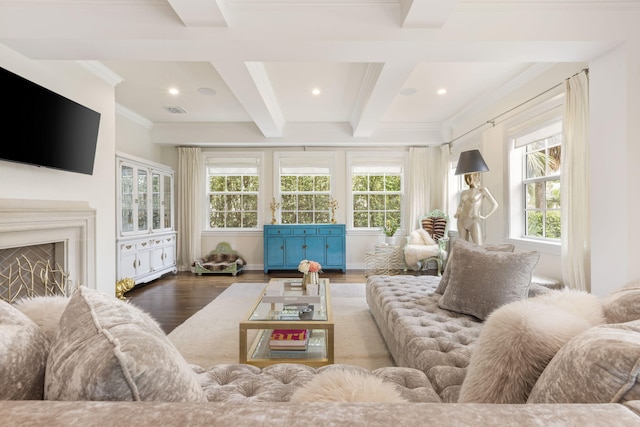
189, 203
427, 182
574, 181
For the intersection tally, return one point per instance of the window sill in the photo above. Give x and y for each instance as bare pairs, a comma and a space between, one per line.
551, 248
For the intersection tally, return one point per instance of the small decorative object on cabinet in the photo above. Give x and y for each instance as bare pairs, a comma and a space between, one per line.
333, 204
285, 245
221, 260
146, 242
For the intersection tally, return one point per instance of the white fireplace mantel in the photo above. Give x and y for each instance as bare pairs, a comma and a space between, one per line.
72, 223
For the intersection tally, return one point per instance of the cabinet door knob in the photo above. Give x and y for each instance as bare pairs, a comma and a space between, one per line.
304, 246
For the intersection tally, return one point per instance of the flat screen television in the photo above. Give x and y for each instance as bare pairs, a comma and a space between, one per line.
44, 128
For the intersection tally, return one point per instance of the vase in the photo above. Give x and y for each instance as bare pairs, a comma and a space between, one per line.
310, 278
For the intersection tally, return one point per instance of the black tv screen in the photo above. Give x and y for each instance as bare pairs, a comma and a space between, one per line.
44, 128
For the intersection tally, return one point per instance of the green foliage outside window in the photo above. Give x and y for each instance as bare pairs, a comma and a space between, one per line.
540, 226
542, 187
305, 199
377, 200
233, 201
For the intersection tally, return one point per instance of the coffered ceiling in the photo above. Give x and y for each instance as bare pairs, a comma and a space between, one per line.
245, 69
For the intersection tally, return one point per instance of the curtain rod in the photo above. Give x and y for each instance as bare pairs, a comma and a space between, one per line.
492, 121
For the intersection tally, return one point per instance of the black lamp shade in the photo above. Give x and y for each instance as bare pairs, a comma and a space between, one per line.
471, 161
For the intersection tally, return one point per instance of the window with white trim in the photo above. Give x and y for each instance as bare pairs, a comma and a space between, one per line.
304, 184
233, 185
377, 190
536, 169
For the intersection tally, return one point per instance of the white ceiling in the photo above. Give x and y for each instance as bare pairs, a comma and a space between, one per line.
378, 63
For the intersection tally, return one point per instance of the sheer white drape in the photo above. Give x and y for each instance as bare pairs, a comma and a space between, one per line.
189, 205
574, 181
426, 183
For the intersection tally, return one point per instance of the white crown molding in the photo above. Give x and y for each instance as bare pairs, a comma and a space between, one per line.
133, 116
102, 71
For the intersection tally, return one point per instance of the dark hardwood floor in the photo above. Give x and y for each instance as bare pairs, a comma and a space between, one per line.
173, 298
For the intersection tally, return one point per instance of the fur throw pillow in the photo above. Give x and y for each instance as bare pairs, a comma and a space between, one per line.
45, 311
519, 339
338, 385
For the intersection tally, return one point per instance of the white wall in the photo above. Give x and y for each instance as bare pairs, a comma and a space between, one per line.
21, 181
615, 153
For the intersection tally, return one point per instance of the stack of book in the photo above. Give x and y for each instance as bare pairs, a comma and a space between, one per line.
287, 340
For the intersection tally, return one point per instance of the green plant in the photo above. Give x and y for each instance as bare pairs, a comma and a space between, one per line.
390, 228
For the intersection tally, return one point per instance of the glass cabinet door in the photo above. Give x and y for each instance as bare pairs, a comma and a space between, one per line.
143, 197
155, 201
126, 194
167, 202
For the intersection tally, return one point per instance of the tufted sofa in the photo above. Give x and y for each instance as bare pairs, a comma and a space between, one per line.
421, 335
99, 361
552, 346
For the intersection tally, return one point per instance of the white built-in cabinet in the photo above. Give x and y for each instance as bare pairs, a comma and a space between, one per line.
146, 241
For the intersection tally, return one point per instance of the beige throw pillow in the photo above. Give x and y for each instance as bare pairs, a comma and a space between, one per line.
623, 305
600, 365
481, 281
107, 349
504, 247
23, 355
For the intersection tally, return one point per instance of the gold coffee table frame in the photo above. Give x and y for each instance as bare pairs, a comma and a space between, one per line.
320, 349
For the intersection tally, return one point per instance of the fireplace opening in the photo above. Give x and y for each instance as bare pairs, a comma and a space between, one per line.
34, 270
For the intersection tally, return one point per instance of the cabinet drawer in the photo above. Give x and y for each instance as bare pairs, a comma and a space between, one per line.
127, 247
331, 231
143, 245
305, 231
272, 231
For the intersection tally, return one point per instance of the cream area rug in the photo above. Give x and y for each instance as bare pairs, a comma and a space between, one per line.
211, 335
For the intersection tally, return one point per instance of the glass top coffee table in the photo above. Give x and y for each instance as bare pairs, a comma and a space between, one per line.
283, 305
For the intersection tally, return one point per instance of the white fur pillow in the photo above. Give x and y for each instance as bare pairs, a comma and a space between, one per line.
338, 385
519, 339
426, 238
45, 311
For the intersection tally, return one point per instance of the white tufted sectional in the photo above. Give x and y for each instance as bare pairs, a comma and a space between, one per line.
421, 335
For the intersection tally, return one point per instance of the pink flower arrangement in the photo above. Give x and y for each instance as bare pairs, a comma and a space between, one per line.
307, 266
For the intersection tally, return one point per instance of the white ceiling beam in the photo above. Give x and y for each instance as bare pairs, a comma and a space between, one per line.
201, 13
251, 86
380, 87
426, 13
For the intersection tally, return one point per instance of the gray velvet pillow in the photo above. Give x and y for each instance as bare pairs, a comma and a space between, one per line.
481, 281
601, 365
23, 355
623, 305
504, 247
106, 349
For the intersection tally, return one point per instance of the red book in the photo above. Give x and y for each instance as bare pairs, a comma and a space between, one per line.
289, 338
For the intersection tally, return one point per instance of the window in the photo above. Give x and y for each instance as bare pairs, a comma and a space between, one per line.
232, 192
377, 193
538, 151
304, 183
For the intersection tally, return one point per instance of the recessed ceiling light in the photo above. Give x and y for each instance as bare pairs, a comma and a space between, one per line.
408, 91
174, 91
206, 91
441, 91
315, 91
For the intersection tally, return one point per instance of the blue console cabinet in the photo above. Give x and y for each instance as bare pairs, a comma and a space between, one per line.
286, 245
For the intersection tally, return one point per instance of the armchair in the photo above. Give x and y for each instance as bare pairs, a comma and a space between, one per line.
428, 243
